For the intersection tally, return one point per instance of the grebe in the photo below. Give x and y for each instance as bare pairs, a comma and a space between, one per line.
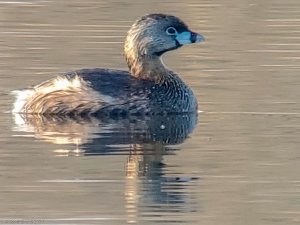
147, 88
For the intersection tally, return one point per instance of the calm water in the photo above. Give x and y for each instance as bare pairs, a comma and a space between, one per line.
238, 162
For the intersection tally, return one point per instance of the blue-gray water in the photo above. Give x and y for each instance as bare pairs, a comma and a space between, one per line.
239, 164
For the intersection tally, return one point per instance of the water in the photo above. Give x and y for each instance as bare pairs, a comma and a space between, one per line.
236, 163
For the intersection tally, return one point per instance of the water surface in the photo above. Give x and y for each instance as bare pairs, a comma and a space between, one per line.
237, 162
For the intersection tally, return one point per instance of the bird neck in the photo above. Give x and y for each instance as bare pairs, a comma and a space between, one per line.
142, 63
148, 68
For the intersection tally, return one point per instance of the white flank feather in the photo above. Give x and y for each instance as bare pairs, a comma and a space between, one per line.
57, 84
21, 98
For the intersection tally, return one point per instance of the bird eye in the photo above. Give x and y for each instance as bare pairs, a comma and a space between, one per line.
171, 31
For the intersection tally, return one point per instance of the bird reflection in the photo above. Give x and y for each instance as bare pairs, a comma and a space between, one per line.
145, 141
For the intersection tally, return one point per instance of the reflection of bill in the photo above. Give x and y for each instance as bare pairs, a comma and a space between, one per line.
148, 184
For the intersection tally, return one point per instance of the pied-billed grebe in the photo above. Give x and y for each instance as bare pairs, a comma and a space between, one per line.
148, 88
